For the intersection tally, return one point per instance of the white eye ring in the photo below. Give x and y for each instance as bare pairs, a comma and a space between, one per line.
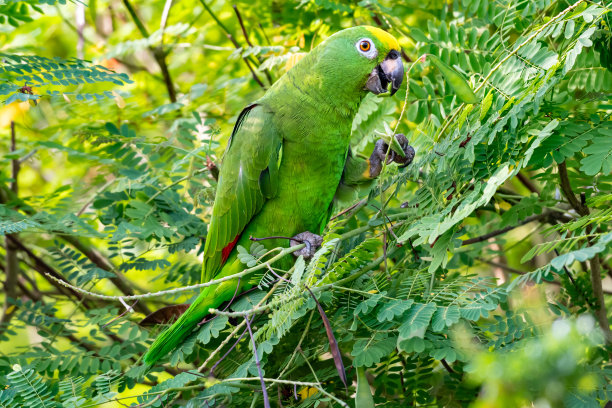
366, 47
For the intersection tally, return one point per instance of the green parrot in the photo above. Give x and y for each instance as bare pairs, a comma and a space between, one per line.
287, 156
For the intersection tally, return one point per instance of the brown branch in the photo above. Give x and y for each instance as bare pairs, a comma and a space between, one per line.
158, 52
233, 41
537, 217
519, 272
244, 31
526, 181
92, 254
359, 204
248, 41
447, 367
506, 267
595, 263
566, 188
12, 263
101, 262
43, 268
160, 57
15, 162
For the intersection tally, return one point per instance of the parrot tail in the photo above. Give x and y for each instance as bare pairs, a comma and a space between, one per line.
172, 337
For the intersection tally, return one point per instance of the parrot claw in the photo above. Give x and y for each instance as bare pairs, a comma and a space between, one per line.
312, 241
380, 152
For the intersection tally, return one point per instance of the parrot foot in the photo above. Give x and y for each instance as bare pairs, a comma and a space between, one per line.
312, 241
380, 152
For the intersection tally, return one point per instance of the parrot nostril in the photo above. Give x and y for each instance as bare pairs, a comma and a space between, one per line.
393, 54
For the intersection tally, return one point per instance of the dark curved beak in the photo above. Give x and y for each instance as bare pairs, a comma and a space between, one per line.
390, 71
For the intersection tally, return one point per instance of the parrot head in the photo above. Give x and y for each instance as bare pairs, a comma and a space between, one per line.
362, 58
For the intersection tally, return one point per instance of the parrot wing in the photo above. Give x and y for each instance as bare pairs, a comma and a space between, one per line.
248, 177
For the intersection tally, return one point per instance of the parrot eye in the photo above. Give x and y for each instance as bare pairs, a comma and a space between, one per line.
367, 48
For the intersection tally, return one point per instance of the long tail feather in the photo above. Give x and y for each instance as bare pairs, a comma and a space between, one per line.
172, 337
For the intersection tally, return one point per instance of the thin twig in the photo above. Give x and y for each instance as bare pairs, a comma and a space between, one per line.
501, 231
233, 41
119, 280
212, 369
164, 18
43, 268
93, 197
527, 41
358, 204
299, 345
158, 52
314, 289
176, 182
236, 329
226, 306
248, 41
300, 383
447, 367
244, 31
283, 253
258, 364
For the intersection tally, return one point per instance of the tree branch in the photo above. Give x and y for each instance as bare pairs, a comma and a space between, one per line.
12, 263
538, 217
158, 52
44, 269
519, 272
526, 181
566, 188
595, 263
248, 41
101, 262
233, 41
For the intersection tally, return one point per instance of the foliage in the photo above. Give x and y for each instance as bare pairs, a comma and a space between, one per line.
478, 274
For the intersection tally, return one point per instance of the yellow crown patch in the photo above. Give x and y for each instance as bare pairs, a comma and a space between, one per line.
384, 37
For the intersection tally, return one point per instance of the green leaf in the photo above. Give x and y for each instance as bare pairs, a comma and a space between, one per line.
393, 309
486, 105
367, 305
445, 316
368, 352
569, 29
211, 329
447, 353
598, 154
455, 80
416, 321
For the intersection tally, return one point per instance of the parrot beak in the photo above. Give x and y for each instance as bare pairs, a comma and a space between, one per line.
390, 71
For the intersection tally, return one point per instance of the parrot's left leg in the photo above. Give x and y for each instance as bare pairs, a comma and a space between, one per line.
360, 171
380, 152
